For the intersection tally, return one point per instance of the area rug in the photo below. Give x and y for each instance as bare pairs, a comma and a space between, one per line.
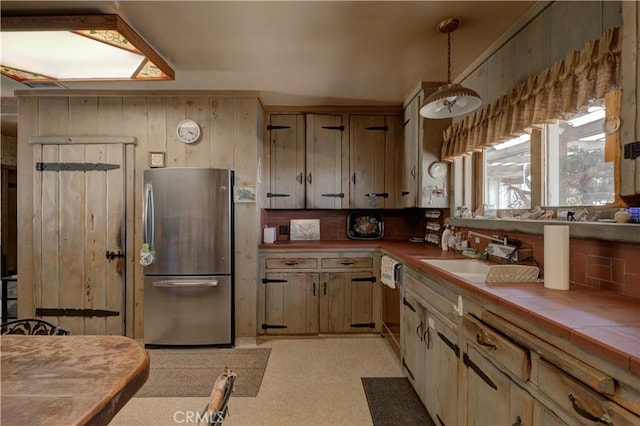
192, 372
393, 401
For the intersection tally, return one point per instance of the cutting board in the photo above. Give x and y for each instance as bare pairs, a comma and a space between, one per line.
304, 229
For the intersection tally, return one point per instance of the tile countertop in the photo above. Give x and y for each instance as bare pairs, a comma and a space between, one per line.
600, 321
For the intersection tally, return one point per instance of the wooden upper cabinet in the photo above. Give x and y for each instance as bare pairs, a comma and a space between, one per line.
408, 165
325, 160
372, 160
287, 161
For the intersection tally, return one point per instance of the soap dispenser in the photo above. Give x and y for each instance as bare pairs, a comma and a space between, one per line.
444, 241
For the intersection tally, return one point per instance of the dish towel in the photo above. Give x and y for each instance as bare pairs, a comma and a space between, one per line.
387, 268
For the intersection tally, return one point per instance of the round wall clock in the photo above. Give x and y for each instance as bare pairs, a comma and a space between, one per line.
188, 131
611, 124
437, 170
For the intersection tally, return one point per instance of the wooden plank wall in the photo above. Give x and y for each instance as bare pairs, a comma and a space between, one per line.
231, 138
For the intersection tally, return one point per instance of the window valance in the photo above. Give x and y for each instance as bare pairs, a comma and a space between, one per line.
560, 92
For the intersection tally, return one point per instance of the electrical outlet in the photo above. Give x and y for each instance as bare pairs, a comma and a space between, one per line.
477, 240
283, 229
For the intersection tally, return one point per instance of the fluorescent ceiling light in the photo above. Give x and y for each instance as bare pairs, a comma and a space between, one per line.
512, 142
595, 114
596, 137
43, 49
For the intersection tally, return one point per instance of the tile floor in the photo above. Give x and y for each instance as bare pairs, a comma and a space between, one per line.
308, 381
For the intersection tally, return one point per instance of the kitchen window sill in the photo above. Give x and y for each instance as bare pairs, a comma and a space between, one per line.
618, 232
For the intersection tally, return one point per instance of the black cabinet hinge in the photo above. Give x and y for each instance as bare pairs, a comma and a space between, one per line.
370, 279
377, 194
274, 195
632, 150
340, 195
364, 325
407, 304
276, 127
266, 326
382, 128
268, 280
449, 343
472, 365
341, 128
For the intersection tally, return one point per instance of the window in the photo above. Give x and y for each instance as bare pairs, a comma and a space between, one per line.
508, 174
576, 174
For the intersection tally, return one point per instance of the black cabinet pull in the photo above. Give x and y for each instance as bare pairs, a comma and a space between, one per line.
584, 413
299, 178
325, 289
353, 178
418, 332
426, 338
314, 289
291, 263
309, 178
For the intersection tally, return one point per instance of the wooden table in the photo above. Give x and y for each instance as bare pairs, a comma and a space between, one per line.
68, 380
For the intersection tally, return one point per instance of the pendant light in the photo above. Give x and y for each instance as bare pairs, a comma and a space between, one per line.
450, 100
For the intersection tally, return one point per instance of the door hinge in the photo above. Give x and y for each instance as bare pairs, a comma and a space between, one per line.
632, 150
68, 312
276, 127
383, 128
405, 193
268, 280
449, 343
266, 326
377, 194
341, 128
364, 325
273, 195
467, 361
340, 195
75, 167
371, 279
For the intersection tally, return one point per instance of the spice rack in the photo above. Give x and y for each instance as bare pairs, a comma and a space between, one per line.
433, 225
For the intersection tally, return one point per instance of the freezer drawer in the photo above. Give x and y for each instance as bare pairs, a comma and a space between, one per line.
188, 310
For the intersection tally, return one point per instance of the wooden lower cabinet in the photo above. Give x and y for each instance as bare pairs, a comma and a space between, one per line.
308, 294
431, 358
492, 398
346, 302
291, 303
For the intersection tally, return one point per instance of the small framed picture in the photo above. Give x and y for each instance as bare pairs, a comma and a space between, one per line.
244, 194
156, 159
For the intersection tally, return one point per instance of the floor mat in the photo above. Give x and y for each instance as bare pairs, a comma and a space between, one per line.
192, 372
393, 401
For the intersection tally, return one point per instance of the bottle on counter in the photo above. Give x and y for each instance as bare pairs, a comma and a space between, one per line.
446, 234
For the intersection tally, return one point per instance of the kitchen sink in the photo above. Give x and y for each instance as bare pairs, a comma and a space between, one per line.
469, 269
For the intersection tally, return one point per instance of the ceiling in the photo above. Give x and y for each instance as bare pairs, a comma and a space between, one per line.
299, 52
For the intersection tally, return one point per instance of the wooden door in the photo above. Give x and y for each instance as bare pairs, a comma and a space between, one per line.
487, 392
291, 303
367, 159
287, 157
79, 213
324, 162
346, 302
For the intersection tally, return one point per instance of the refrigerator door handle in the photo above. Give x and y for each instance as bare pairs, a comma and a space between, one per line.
185, 283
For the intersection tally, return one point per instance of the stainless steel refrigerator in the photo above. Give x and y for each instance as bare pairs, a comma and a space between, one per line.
188, 253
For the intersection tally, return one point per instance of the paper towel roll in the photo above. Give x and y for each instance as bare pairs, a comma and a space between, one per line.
556, 257
269, 235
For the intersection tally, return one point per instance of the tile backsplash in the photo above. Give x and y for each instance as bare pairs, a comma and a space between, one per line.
594, 263
398, 224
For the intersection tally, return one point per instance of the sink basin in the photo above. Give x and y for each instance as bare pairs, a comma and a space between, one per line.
469, 269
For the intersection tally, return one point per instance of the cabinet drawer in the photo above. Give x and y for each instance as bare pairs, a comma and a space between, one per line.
505, 352
291, 263
347, 262
582, 403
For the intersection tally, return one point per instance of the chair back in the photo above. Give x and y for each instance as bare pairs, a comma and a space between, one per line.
32, 326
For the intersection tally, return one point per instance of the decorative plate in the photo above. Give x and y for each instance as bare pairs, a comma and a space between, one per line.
365, 225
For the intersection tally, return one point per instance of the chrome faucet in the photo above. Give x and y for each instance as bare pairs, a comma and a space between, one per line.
477, 234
